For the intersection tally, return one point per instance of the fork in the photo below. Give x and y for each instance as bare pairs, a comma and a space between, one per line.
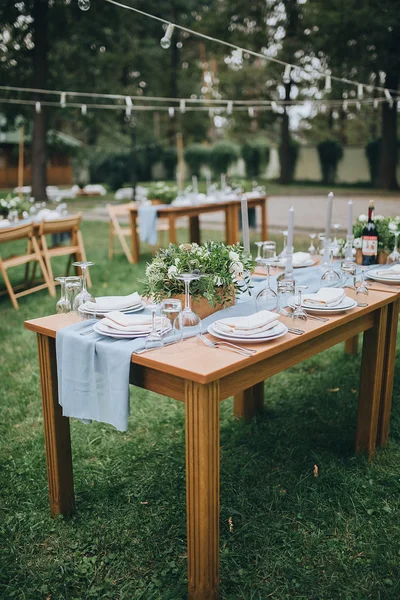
313, 317
227, 345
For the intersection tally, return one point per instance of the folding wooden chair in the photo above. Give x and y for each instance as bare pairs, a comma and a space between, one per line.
75, 249
122, 210
21, 232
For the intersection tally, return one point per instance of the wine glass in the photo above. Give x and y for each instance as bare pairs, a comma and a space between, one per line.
299, 312
63, 306
73, 286
349, 270
330, 277
190, 321
394, 257
362, 288
311, 248
267, 299
171, 309
83, 296
285, 290
154, 339
259, 246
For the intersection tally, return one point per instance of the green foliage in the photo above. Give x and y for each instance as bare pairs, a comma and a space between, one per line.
161, 191
169, 159
14, 203
197, 156
221, 264
223, 155
293, 154
330, 152
255, 155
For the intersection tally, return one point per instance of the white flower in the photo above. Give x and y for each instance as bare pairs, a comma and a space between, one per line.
177, 262
172, 271
358, 243
217, 280
233, 256
236, 268
393, 226
379, 217
397, 219
363, 218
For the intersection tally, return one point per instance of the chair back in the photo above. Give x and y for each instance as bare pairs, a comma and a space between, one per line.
67, 224
119, 210
19, 232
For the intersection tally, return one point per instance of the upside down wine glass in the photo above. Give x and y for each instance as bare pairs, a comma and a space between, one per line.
331, 277
83, 296
154, 339
190, 321
63, 306
394, 257
267, 299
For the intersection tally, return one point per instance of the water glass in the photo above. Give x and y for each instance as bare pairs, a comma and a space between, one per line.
171, 309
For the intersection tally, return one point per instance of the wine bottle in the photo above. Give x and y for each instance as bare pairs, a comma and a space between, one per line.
370, 239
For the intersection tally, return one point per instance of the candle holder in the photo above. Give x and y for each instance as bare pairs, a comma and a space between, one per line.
326, 257
349, 247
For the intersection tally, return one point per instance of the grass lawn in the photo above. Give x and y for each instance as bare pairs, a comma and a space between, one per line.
285, 534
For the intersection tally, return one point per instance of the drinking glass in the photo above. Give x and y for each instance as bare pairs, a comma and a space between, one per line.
267, 299
190, 321
362, 288
171, 309
349, 270
63, 306
285, 290
283, 253
154, 339
73, 285
299, 312
394, 257
259, 246
83, 296
330, 277
321, 243
311, 248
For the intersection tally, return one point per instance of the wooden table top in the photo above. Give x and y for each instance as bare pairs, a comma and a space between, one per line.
166, 209
202, 364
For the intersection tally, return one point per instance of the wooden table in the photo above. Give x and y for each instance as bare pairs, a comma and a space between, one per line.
201, 377
230, 208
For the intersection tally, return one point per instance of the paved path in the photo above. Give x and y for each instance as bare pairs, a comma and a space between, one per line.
310, 211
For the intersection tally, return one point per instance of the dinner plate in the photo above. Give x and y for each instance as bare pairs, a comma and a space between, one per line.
130, 309
372, 275
346, 304
309, 263
279, 332
114, 333
271, 330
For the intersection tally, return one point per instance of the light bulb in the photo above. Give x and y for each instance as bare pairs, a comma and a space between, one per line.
165, 43
84, 4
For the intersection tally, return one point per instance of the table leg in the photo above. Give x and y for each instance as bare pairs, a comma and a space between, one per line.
371, 379
172, 229
233, 236
56, 433
134, 238
202, 489
194, 229
264, 220
250, 402
351, 346
388, 373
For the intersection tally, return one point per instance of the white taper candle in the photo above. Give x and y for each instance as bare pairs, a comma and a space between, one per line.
245, 224
290, 228
350, 218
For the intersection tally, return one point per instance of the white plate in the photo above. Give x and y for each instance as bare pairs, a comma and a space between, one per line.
372, 275
131, 309
97, 327
279, 332
265, 333
346, 304
308, 263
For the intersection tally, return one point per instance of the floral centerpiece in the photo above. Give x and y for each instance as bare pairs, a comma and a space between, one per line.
10, 203
225, 269
385, 227
161, 191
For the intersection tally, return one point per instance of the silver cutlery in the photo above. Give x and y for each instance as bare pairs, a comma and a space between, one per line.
226, 346
296, 331
312, 317
362, 304
151, 349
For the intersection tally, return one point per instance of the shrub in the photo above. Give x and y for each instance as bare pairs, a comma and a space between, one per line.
330, 153
292, 156
255, 155
223, 154
373, 153
169, 159
196, 156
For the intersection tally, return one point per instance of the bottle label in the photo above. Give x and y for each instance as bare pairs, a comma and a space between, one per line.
370, 245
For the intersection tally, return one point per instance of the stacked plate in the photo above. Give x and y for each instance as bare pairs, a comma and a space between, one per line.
259, 327
106, 304
326, 300
299, 260
120, 325
390, 275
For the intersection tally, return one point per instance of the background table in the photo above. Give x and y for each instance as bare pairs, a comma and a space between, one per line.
230, 208
201, 377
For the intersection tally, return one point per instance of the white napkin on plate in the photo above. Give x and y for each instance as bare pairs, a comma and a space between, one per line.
391, 272
132, 323
114, 302
260, 321
326, 297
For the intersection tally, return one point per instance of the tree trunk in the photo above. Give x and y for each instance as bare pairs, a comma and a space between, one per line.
287, 170
40, 69
388, 161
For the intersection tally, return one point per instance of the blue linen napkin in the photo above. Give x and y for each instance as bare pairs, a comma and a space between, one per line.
93, 370
148, 223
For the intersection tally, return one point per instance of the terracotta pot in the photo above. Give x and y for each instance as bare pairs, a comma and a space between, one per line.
203, 308
156, 201
382, 257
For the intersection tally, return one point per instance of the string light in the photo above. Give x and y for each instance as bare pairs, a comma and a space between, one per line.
286, 75
38, 107
229, 107
376, 103
388, 97
360, 91
251, 111
171, 111
84, 110
182, 106
128, 109
328, 82
166, 40
63, 99
84, 4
